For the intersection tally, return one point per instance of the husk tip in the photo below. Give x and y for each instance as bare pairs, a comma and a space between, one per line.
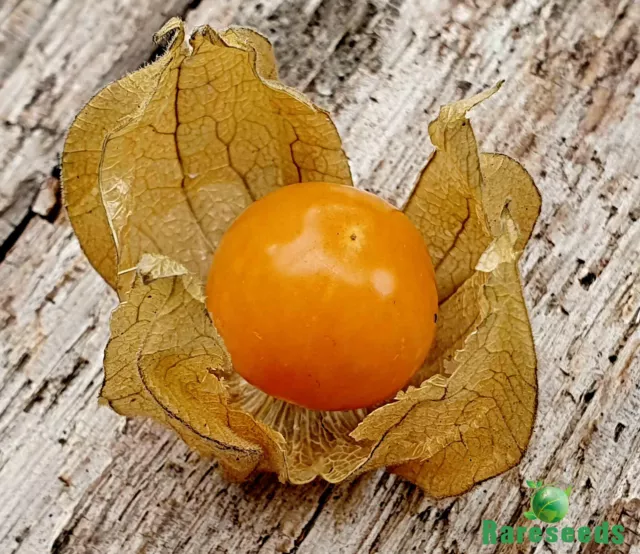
172, 28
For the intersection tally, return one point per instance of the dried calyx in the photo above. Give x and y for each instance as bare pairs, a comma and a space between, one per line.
155, 168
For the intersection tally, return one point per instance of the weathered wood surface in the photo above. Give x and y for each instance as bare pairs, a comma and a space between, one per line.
76, 478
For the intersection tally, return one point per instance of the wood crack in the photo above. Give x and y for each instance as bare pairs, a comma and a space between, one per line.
15, 235
308, 526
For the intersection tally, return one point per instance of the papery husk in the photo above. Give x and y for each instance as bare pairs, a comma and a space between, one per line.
163, 160
158, 165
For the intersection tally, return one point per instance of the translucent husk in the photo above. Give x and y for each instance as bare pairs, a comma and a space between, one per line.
156, 167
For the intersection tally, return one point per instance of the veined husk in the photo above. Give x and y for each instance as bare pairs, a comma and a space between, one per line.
156, 167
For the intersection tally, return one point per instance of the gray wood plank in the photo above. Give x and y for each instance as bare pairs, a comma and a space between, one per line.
77, 478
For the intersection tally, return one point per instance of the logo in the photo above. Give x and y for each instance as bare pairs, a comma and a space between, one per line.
549, 505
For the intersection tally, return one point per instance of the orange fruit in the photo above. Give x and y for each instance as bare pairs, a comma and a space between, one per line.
325, 296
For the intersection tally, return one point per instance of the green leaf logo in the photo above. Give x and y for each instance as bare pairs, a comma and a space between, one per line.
549, 504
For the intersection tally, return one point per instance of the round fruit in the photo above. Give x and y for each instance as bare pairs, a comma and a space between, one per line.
550, 504
325, 296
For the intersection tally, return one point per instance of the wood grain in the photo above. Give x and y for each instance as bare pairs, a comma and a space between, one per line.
76, 478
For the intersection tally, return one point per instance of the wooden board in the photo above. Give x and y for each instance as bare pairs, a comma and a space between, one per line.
77, 478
